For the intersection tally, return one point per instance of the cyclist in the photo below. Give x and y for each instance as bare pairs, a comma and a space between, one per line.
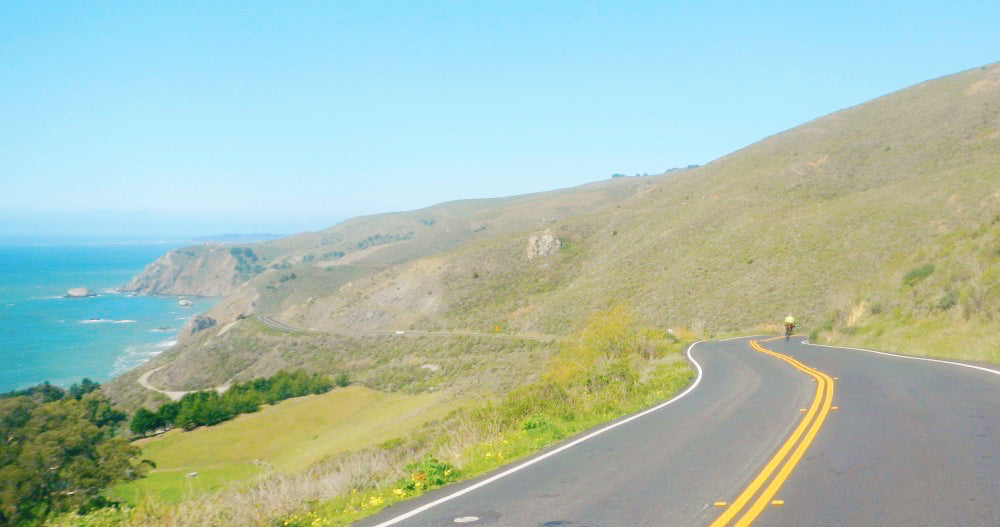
789, 325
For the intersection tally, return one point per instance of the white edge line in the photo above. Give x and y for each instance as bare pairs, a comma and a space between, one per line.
551, 453
807, 343
738, 338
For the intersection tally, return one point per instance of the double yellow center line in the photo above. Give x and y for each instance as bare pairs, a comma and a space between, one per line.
787, 456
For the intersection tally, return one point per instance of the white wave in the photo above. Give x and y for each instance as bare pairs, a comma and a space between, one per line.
96, 321
137, 354
125, 321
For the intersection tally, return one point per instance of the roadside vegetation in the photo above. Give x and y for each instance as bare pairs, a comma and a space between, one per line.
941, 301
59, 451
611, 367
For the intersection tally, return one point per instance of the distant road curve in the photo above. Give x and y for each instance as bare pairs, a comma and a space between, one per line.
173, 395
273, 323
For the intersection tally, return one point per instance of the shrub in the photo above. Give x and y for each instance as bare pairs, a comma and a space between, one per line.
428, 473
916, 275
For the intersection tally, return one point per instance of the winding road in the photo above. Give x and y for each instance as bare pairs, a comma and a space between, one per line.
772, 433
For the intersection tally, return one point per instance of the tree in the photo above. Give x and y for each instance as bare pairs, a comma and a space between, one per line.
100, 411
77, 391
168, 413
58, 455
145, 421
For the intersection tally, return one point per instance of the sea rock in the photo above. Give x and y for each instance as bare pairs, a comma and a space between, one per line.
542, 245
184, 303
79, 292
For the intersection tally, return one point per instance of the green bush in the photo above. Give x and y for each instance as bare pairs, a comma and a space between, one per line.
916, 275
427, 474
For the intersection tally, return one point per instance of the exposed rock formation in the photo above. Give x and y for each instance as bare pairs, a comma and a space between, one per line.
542, 245
198, 271
79, 292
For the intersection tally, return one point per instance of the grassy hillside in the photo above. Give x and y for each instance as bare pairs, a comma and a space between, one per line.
814, 221
367, 243
286, 438
485, 365
825, 221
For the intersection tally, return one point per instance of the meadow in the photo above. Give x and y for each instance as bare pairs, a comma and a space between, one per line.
279, 439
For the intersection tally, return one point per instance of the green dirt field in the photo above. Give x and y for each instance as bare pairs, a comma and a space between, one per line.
284, 438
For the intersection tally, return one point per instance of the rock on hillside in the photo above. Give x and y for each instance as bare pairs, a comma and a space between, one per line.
542, 245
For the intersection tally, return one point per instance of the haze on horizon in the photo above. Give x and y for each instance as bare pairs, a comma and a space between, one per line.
183, 120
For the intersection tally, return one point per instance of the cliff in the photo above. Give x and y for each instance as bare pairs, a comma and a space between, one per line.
208, 270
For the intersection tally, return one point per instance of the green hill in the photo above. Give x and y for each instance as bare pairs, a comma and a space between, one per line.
826, 221
832, 221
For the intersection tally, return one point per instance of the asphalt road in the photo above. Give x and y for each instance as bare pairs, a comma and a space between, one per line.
910, 443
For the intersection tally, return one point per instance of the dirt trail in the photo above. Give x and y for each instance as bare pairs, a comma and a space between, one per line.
173, 395
271, 322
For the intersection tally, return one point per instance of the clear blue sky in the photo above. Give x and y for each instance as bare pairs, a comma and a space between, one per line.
194, 118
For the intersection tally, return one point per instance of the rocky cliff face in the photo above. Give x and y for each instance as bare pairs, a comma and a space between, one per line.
198, 271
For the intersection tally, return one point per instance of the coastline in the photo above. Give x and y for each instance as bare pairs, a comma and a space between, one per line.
49, 337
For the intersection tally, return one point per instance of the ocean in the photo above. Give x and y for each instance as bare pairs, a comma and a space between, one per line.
47, 337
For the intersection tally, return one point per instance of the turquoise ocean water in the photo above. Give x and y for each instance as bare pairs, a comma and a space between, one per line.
44, 336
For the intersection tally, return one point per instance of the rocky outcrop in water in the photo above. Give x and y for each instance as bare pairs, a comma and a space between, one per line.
79, 292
